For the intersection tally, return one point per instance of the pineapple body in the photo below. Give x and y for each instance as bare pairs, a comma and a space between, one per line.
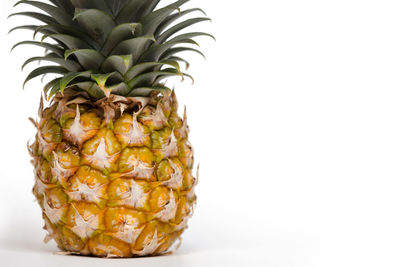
113, 178
113, 164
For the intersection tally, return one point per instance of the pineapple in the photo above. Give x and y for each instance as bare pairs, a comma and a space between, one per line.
113, 163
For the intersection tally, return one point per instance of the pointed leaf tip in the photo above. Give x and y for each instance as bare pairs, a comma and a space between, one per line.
16, 4
44, 70
67, 79
101, 80
70, 52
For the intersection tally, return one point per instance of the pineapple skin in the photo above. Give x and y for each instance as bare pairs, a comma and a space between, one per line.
113, 179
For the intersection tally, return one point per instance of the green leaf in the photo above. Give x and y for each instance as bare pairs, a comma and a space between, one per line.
92, 4
154, 53
54, 90
153, 20
65, 5
175, 58
190, 35
168, 33
133, 10
147, 79
57, 13
172, 18
118, 34
176, 50
135, 47
68, 64
50, 85
117, 63
45, 70
69, 41
101, 80
116, 5
67, 79
41, 17
90, 59
97, 23
28, 27
146, 91
90, 87
67, 30
148, 66
172, 63
119, 89
83, 85
164, 76
54, 48
140, 68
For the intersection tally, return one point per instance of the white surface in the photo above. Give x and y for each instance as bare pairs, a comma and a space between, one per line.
295, 118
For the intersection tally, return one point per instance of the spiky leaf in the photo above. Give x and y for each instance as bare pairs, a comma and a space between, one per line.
50, 85
174, 17
69, 41
41, 17
30, 27
167, 34
116, 5
65, 5
118, 34
135, 47
68, 64
133, 10
177, 50
90, 59
148, 78
148, 66
126, 44
57, 13
97, 23
65, 30
153, 20
101, 80
90, 87
119, 89
67, 79
54, 48
91, 4
155, 52
146, 91
119, 63
45, 70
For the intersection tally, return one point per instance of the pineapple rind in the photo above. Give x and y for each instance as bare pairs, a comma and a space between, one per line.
102, 194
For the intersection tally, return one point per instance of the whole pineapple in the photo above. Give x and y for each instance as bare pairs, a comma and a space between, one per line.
113, 164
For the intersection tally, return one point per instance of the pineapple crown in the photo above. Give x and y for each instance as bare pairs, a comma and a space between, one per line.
105, 47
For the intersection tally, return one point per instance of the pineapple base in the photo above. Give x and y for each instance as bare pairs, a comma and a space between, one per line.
113, 178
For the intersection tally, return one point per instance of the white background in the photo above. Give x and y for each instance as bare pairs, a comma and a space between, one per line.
295, 117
